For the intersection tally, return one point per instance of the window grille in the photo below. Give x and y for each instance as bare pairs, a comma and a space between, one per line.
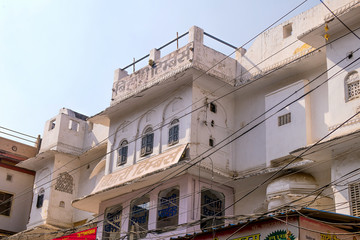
64, 183
174, 132
147, 142
5, 203
123, 152
353, 85
354, 192
284, 119
9, 177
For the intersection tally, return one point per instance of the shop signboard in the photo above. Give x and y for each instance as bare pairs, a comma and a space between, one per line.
89, 234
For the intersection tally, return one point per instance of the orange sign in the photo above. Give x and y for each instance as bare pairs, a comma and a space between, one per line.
89, 234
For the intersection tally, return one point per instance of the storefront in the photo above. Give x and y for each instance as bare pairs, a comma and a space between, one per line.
306, 224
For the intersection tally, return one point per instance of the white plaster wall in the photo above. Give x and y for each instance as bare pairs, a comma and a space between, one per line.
321, 171
63, 216
63, 137
205, 91
280, 140
253, 203
95, 134
342, 167
42, 180
339, 108
157, 114
249, 149
319, 103
20, 187
272, 41
87, 185
50, 136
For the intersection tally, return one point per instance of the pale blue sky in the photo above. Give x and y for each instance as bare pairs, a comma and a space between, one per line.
63, 53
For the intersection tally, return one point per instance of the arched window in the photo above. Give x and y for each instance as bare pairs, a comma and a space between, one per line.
147, 142
352, 83
212, 205
168, 208
112, 222
40, 198
62, 204
213, 107
139, 216
174, 132
122, 153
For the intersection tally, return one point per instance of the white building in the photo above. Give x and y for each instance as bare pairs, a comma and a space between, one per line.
196, 139
236, 122
15, 183
70, 150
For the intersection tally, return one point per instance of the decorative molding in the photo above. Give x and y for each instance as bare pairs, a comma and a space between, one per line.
351, 122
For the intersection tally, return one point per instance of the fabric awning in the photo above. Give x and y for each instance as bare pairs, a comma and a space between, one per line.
117, 183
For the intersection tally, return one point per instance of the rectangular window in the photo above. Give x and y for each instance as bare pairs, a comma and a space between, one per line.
211, 142
212, 107
354, 192
5, 203
9, 177
52, 124
284, 119
74, 126
287, 30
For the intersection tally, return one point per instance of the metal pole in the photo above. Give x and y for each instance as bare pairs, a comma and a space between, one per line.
133, 64
177, 40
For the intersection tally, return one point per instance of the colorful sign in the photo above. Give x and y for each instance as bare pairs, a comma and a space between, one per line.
250, 237
280, 235
142, 168
89, 234
315, 230
328, 237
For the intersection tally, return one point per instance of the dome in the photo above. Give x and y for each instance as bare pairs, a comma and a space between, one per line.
292, 183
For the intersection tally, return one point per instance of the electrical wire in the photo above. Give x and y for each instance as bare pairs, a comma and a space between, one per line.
217, 63
84, 154
346, 26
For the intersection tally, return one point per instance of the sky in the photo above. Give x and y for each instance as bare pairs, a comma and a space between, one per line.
63, 53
